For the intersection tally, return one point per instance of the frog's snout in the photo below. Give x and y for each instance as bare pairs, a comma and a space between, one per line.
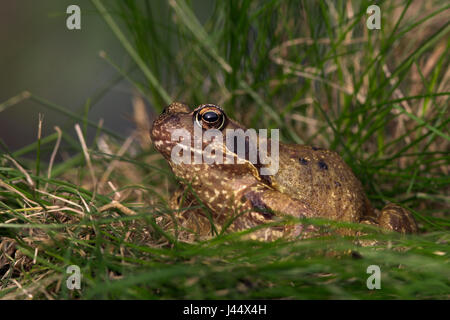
168, 119
165, 124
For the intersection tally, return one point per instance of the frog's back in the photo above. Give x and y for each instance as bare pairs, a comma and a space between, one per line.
323, 180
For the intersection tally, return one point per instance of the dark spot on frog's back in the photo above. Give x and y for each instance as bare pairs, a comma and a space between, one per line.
303, 161
316, 148
337, 183
322, 165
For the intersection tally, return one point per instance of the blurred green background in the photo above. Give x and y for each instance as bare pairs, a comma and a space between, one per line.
39, 54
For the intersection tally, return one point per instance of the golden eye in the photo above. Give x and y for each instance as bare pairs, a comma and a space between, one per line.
209, 116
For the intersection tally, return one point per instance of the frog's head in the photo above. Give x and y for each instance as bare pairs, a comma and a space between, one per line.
178, 116
184, 136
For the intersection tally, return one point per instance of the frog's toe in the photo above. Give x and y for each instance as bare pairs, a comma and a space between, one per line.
396, 218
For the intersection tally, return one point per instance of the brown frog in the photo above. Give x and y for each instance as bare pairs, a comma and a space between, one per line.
310, 182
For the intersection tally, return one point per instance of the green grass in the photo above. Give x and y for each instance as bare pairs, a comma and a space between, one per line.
312, 69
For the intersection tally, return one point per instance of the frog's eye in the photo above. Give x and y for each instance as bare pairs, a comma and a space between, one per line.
210, 117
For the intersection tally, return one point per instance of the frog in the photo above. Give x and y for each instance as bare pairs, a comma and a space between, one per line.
310, 182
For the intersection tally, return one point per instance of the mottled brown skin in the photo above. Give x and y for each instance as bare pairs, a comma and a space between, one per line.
310, 182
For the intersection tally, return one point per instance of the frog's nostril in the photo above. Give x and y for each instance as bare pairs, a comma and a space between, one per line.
165, 110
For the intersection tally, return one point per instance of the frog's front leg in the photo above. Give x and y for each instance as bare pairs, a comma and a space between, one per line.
265, 205
265, 199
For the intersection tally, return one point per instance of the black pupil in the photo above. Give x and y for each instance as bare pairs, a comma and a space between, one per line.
210, 116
